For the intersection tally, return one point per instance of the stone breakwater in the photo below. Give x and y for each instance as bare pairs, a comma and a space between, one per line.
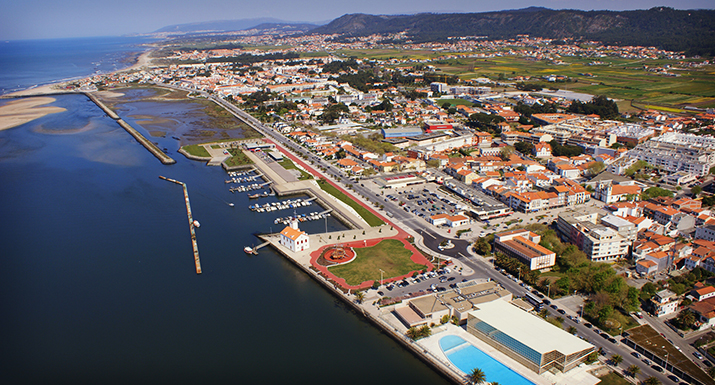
153, 149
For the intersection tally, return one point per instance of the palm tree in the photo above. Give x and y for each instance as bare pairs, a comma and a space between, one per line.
571, 329
651, 381
413, 333
711, 371
616, 359
633, 370
477, 376
359, 296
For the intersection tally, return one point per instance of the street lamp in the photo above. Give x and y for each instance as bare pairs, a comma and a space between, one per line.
519, 273
548, 293
666, 360
381, 272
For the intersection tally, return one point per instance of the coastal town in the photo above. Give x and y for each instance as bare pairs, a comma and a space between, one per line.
505, 222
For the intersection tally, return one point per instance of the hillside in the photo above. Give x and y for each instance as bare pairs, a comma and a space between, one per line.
218, 25
692, 31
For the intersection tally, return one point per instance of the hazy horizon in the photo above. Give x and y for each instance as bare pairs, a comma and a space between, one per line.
41, 19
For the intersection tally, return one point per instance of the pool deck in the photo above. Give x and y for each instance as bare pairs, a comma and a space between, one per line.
576, 376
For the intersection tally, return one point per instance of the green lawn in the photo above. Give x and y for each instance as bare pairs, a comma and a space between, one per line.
613, 379
366, 214
289, 165
238, 158
197, 150
390, 255
455, 102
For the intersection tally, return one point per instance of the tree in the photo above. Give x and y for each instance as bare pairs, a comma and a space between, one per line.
596, 167
616, 359
686, 319
506, 153
524, 147
633, 370
591, 358
651, 381
711, 371
482, 246
413, 333
359, 296
477, 376
572, 329
696, 190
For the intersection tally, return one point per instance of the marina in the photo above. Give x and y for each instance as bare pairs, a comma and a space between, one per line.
283, 205
314, 216
245, 188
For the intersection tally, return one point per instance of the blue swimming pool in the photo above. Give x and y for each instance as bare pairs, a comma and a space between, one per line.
466, 357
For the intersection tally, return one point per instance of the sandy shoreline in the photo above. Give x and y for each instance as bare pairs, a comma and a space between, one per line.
21, 111
142, 61
26, 109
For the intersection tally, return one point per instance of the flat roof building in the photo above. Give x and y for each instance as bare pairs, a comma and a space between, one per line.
528, 339
524, 246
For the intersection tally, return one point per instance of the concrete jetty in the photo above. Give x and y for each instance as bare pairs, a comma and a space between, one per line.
165, 159
195, 244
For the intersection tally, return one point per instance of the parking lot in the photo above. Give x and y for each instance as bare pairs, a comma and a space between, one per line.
433, 281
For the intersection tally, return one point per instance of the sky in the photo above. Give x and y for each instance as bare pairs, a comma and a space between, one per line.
39, 19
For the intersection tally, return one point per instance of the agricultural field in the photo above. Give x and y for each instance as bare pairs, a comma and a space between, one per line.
623, 79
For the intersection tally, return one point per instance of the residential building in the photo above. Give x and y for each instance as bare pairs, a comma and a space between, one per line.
664, 302
706, 232
601, 236
524, 246
675, 152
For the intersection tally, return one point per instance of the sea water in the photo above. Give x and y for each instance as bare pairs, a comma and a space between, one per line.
98, 286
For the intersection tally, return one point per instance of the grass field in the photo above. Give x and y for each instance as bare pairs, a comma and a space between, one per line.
390, 255
455, 102
238, 158
618, 78
197, 150
613, 379
368, 216
289, 165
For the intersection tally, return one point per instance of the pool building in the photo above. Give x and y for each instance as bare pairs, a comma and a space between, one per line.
526, 338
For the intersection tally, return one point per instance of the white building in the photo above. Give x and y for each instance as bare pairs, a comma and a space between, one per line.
664, 302
526, 338
706, 232
294, 239
601, 236
675, 152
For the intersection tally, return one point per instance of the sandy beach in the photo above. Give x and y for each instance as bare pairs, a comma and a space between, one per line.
142, 61
21, 111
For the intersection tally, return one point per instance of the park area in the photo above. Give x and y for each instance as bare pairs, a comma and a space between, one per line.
393, 256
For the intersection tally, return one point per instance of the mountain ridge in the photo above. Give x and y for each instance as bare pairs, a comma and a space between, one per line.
692, 31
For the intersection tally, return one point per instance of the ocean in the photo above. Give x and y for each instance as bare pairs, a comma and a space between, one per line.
97, 283
28, 63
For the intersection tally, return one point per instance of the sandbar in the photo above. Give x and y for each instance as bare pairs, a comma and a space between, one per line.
21, 111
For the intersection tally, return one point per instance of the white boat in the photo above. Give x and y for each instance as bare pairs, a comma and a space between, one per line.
248, 250
230, 204
196, 223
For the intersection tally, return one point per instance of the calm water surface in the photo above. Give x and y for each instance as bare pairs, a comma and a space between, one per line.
98, 284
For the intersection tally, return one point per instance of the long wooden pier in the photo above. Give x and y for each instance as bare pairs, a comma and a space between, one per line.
195, 244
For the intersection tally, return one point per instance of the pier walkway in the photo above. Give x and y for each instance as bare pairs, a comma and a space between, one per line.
194, 243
